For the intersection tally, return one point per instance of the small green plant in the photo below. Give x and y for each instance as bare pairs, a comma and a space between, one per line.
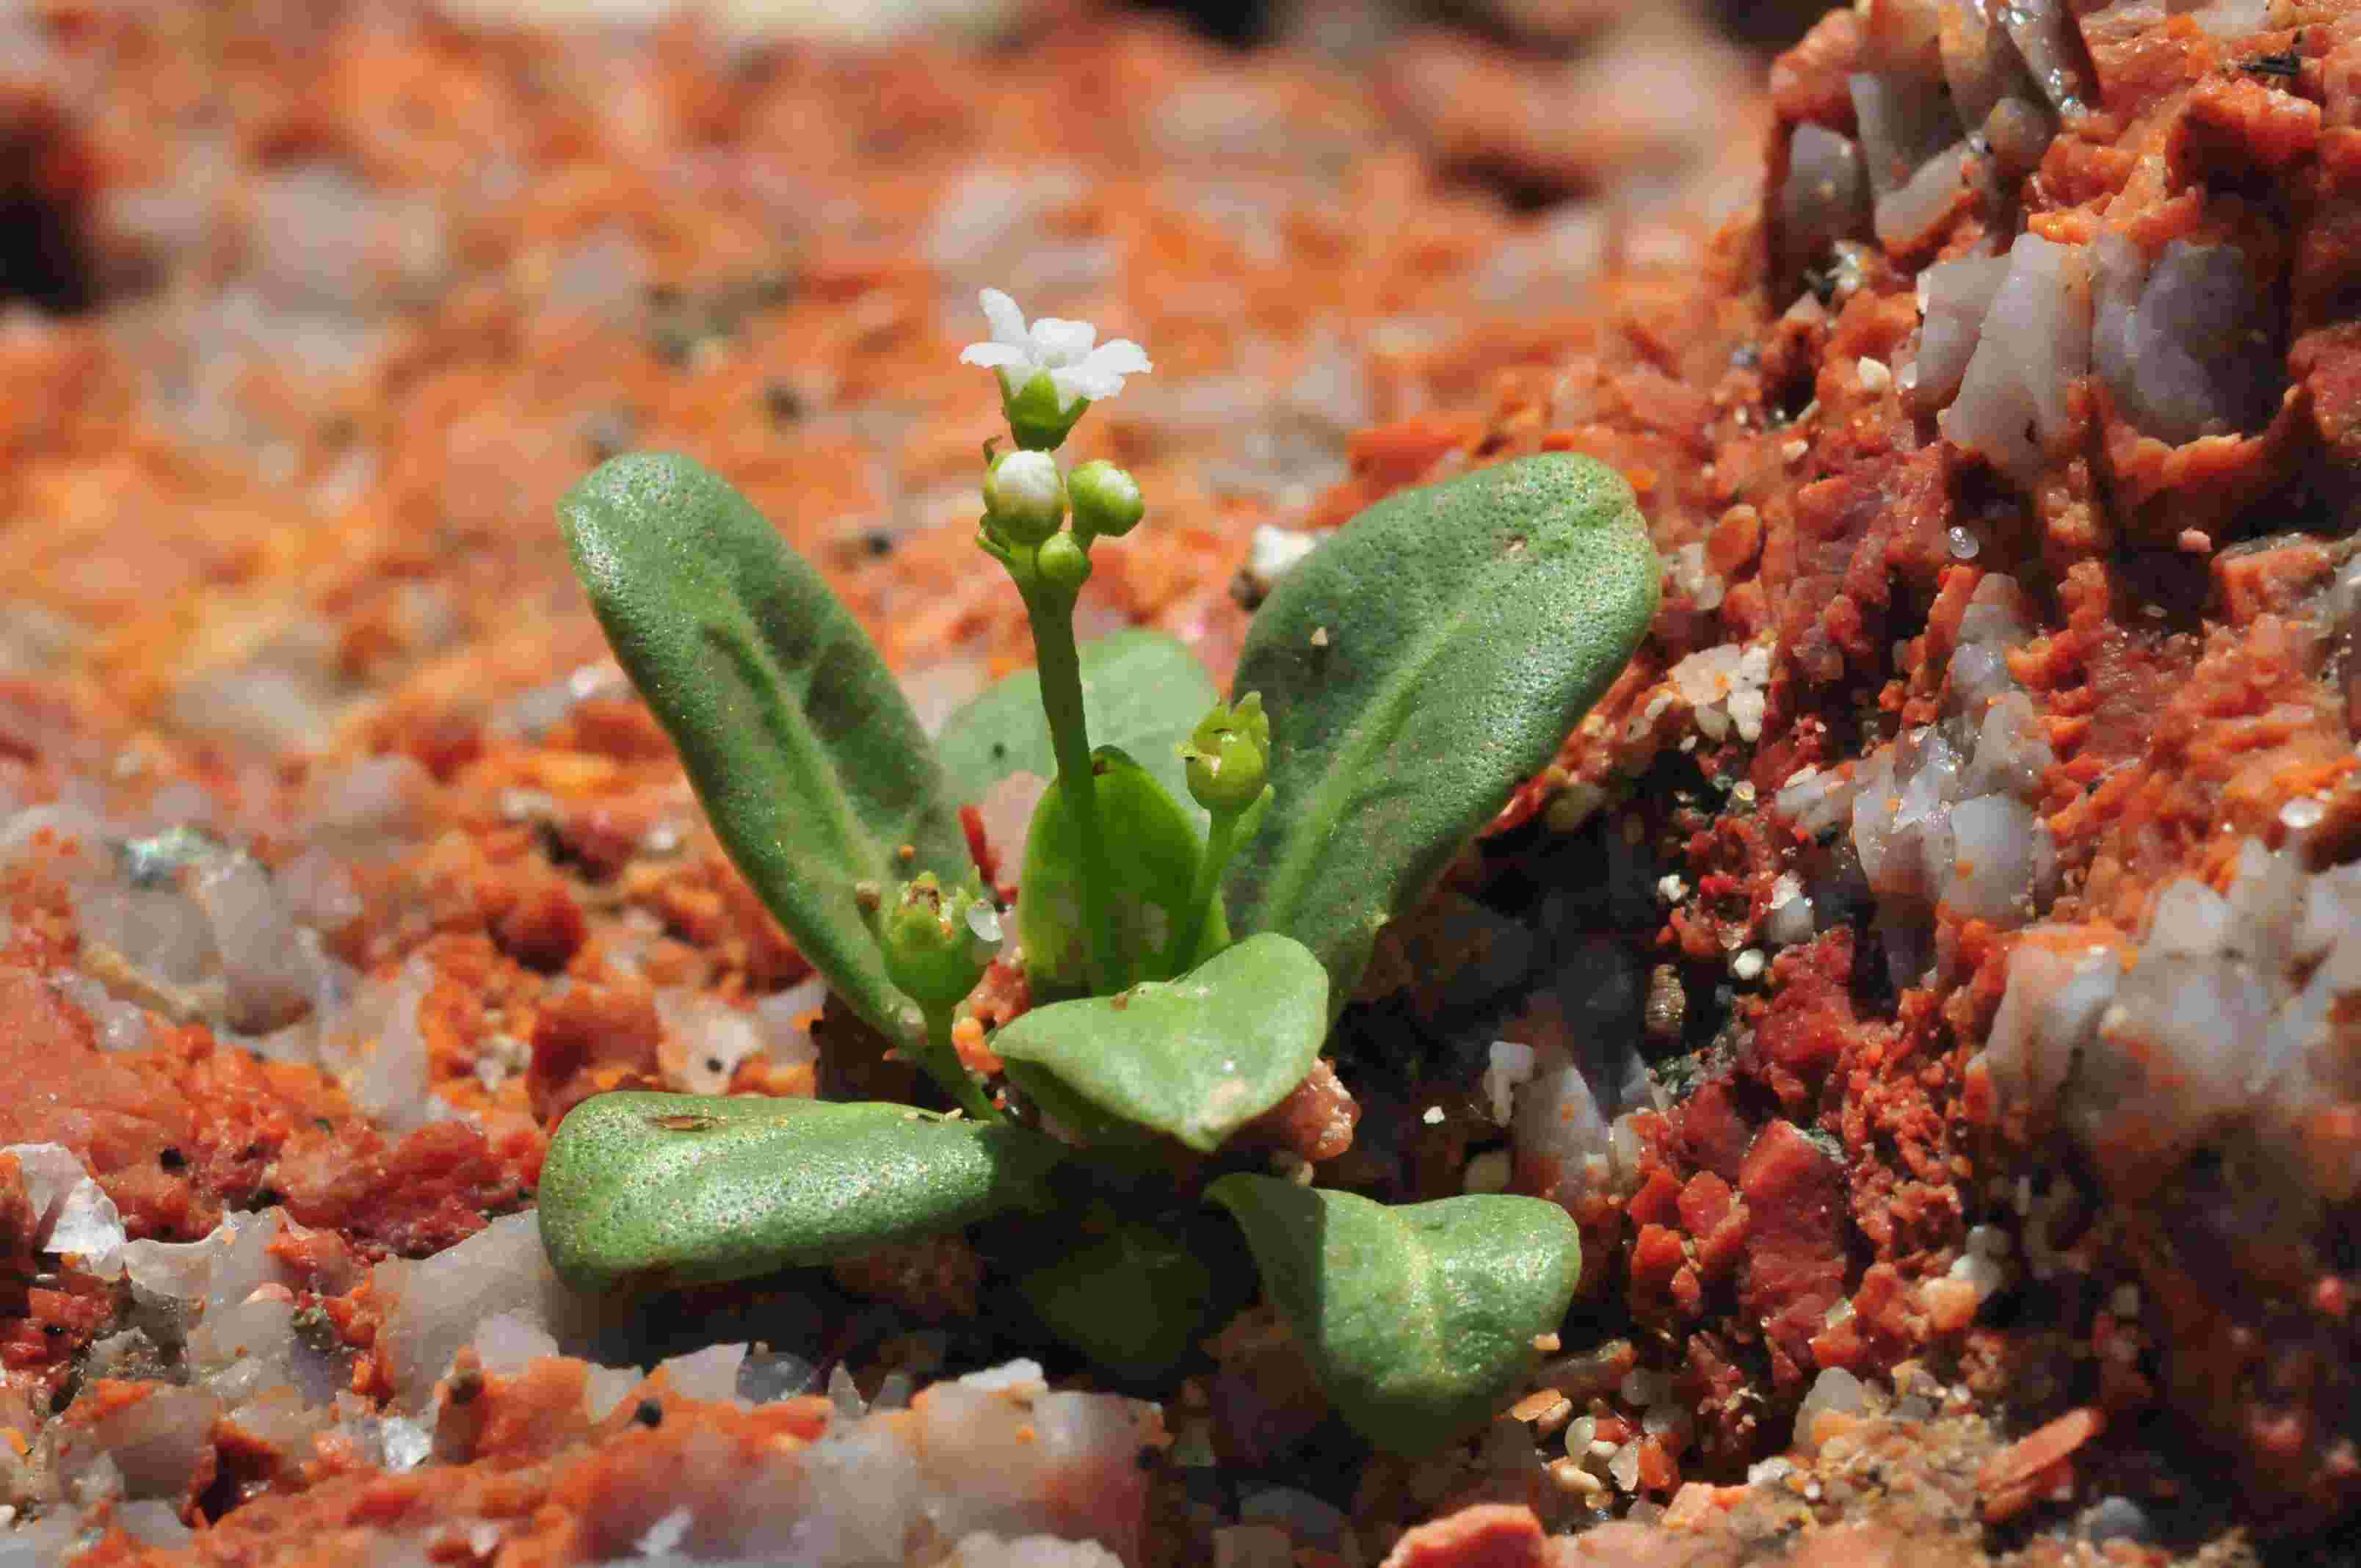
1395, 688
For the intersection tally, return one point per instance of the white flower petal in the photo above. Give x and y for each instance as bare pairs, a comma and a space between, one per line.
992, 354
1007, 321
1121, 358
1071, 383
1064, 348
1101, 372
1057, 342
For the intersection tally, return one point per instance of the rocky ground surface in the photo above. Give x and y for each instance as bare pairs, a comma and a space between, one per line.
1924, 976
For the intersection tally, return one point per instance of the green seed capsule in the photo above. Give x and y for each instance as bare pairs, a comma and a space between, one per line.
1229, 755
931, 951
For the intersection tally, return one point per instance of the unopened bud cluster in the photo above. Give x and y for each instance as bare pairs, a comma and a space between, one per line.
1049, 372
1026, 503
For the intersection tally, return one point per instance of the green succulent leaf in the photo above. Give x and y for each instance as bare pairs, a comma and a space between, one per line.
670, 1189
1134, 1300
1419, 1319
1153, 849
1417, 667
1142, 691
798, 741
1198, 1057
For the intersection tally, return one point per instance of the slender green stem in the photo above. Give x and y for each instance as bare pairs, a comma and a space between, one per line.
1221, 843
1052, 615
943, 1065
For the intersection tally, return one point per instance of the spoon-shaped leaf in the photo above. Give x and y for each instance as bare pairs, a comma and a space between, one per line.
1417, 667
672, 1190
1419, 1319
1198, 1057
1141, 690
1152, 849
799, 741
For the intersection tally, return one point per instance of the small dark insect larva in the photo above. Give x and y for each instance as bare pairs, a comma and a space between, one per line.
1667, 1003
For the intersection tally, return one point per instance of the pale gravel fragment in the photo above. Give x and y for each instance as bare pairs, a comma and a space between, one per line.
707, 1374
667, 1533
1021, 1377
984, 1550
1836, 1391
1273, 552
1508, 1065
71, 1214
2014, 406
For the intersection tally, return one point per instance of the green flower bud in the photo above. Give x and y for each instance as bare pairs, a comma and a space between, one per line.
1106, 500
1063, 564
1024, 498
1035, 417
1229, 756
934, 940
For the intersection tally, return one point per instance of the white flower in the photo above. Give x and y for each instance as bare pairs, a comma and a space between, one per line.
1060, 348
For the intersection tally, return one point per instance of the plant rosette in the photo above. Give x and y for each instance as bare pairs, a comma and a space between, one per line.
1197, 901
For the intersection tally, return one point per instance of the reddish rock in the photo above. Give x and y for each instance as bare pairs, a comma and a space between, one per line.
2236, 127
1489, 1535
1705, 1203
1658, 1201
1713, 1134
1883, 1326
1796, 1256
1314, 1122
1389, 456
612, 1025
416, 1195
18, 1224
1810, 1019
541, 926
1656, 1256
117, 1114
1808, 81
2036, 1466
1660, 1471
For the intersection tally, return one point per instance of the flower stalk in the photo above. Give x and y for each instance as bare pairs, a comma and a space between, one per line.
1052, 615
1049, 373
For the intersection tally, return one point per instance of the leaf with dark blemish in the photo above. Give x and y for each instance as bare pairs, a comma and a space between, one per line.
766, 1184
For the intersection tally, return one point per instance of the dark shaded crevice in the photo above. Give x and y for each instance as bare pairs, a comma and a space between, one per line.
1767, 25
1241, 24
45, 254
